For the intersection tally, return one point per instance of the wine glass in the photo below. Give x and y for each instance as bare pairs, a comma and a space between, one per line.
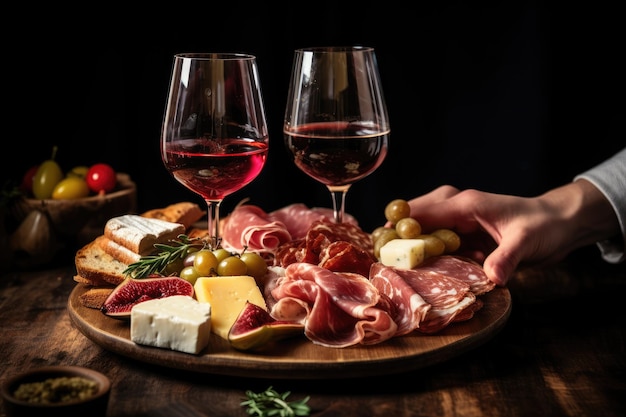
336, 123
214, 138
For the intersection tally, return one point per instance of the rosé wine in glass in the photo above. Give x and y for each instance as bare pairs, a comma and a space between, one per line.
214, 138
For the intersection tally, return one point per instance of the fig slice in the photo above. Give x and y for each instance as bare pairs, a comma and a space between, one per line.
255, 329
135, 290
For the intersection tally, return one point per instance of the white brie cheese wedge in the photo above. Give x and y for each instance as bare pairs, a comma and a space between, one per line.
178, 322
402, 253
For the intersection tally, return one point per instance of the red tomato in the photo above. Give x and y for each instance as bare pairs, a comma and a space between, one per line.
27, 181
101, 177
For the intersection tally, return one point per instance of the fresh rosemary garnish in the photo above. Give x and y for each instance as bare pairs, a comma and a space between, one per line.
156, 264
270, 403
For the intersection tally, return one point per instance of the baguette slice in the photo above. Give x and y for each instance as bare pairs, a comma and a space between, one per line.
185, 212
94, 265
139, 234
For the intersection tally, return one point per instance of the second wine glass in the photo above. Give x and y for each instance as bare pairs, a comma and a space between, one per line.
336, 124
214, 138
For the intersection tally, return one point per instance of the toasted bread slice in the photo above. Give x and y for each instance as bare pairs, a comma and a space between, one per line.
94, 265
185, 212
139, 234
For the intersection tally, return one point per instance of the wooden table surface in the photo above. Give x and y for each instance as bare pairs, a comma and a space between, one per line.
561, 353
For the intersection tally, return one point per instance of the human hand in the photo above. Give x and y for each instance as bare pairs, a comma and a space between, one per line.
503, 232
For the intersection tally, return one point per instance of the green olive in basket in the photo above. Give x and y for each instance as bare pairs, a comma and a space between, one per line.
70, 188
47, 177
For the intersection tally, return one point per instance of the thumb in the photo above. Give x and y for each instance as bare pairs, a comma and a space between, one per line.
502, 262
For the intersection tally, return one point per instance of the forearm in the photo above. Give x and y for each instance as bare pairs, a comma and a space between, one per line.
609, 180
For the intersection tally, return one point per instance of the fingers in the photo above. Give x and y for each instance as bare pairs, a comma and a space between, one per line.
502, 262
439, 194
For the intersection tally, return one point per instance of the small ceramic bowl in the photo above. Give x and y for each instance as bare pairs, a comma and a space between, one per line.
95, 405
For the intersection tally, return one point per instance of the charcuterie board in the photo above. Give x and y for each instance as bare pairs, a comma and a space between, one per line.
298, 358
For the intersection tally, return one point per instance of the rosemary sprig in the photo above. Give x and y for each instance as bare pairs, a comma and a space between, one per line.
156, 264
270, 403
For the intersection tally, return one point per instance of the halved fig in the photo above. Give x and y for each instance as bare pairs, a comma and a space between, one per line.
255, 328
133, 291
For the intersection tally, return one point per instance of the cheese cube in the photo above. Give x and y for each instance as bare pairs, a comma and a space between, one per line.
178, 322
227, 296
402, 253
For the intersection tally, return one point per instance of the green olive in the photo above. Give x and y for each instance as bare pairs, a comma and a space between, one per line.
396, 210
408, 228
78, 171
70, 188
221, 254
205, 263
378, 232
433, 246
174, 267
256, 265
451, 240
48, 175
233, 265
386, 236
190, 274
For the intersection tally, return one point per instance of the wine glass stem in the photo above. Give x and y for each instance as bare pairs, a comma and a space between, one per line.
339, 201
214, 222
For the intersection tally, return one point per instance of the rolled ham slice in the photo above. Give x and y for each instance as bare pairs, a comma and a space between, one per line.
249, 226
298, 218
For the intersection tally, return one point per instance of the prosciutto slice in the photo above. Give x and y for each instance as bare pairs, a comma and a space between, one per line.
249, 226
298, 218
337, 309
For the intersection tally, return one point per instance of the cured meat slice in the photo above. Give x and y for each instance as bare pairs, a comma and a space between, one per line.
339, 247
298, 218
441, 291
337, 309
446, 298
341, 231
460, 268
439, 318
343, 256
249, 226
410, 308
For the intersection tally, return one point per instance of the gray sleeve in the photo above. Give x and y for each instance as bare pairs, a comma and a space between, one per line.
610, 178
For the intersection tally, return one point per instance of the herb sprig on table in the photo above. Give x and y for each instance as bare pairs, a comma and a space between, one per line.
271, 403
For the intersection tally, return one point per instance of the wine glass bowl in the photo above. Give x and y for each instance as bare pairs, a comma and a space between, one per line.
336, 124
214, 138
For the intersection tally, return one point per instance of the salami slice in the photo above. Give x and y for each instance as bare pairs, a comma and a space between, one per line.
460, 268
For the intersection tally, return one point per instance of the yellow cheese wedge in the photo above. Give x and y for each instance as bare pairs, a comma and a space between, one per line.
227, 296
402, 253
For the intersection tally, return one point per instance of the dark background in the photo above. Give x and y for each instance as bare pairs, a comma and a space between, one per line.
505, 96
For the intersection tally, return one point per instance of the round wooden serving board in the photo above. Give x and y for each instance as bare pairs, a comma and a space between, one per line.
298, 358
